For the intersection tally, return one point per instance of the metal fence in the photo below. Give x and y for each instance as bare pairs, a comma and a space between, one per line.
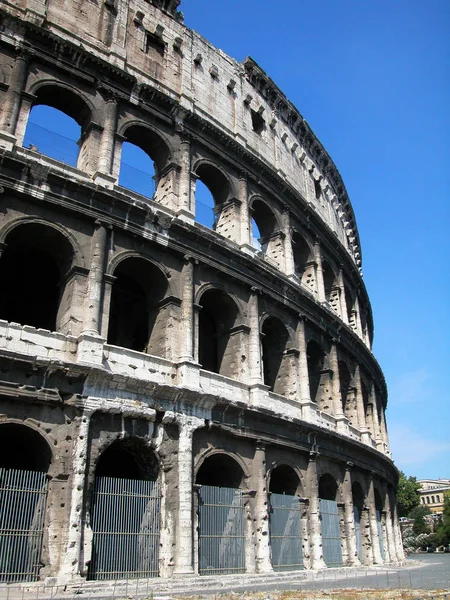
125, 521
23, 496
221, 531
331, 534
285, 533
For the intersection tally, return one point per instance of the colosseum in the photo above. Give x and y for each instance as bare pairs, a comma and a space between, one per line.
187, 385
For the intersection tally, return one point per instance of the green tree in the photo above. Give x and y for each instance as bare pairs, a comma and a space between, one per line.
443, 529
418, 514
407, 494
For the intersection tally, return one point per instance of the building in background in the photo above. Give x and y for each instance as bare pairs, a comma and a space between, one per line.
432, 493
187, 384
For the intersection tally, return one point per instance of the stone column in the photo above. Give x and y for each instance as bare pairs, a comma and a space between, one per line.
289, 266
350, 529
390, 545
261, 510
107, 141
319, 272
387, 558
93, 309
376, 550
315, 531
372, 419
187, 311
245, 236
184, 555
343, 299
336, 386
254, 339
358, 319
185, 193
383, 430
304, 519
397, 533
303, 375
13, 96
360, 408
72, 560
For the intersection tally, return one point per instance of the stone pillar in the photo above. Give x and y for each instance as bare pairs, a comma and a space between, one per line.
372, 419
245, 237
73, 560
360, 409
260, 510
304, 519
315, 531
186, 205
12, 99
343, 532
350, 529
336, 386
303, 375
343, 299
107, 141
319, 272
387, 558
93, 309
383, 431
254, 339
396, 528
358, 319
289, 266
377, 559
390, 545
187, 311
184, 555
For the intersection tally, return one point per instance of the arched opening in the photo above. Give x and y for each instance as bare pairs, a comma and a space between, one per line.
145, 156
218, 346
285, 522
275, 338
358, 505
368, 420
125, 512
302, 255
211, 191
329, 281
381, 525
32, 270
265, 226
25, 458
221, 516
348, 396
56, 125
329, 516
350, 304
135, 319
137, 170
316, 359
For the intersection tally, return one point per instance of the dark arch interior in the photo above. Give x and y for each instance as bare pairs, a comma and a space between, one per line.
328, 278
315, 357
128, 459
378, 501
349, 303
217, 317
35, 259
23, 448
64, 100
358, 495
220, 470
344, 380
301, 252
265, 221
284, 480
136, 293
275, 338
327, 487
215, 181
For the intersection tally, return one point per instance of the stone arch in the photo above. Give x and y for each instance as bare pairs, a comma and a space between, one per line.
128, 458
38, 256
284, 479
209, 209
268, 227
330, 281
276, 341
348, 392
136, 318
303, 255
328, 487
220, 341
221, 469
24, 447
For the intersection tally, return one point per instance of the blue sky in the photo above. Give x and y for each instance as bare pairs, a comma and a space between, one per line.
372, 78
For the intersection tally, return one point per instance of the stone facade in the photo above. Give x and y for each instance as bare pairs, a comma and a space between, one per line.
136, 343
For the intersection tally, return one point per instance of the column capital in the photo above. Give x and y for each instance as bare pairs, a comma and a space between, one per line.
188, 424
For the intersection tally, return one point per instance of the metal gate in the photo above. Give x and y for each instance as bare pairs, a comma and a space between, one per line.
331, 533
23, 497
380, 534
221, 530
357, 516
285, 532
125, 521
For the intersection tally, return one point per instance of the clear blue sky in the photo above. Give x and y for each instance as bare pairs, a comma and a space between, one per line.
372, 78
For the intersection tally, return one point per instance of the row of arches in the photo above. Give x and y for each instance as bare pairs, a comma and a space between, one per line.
143, 161
124, 503
38, 268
